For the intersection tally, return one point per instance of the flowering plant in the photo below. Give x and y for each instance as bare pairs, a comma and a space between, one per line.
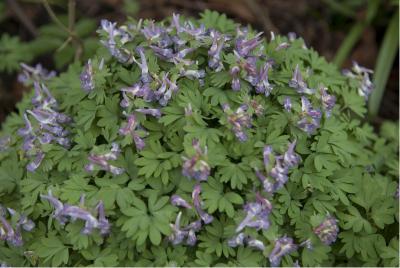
197, 143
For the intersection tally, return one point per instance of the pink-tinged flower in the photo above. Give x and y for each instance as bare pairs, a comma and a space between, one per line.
283, 246
196, 166
206, 218
287, 104
86, 77
178, 201
100, 162
328, 101
298, 83
328, 230
258, 109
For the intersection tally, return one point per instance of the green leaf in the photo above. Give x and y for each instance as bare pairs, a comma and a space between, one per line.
52, 250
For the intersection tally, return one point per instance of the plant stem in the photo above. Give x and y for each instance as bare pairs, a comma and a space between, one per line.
386, 56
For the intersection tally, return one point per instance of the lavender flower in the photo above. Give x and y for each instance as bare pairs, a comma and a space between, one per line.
257, 215
63, 212
311, 117
254, 243
291, 159
131, 129
240, 120
153, 112
115, 47
214, 52
101, 161
146, 78
9, 234
38, 73
283, 246
244, 47
177, 235
298, 83
237, 240
363, 76
86, 77
263, 86
206, 218
178, 201
234, 72
33, 165
328, 101
279, 172
328, 230
287, 104
196, 167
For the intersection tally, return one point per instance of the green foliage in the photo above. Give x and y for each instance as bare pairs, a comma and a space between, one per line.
346, 169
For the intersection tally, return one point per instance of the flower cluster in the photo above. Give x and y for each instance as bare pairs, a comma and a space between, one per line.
189, 231
10, 234
242, 239
283, 246
277, 176
362, 74
87, 76
240, 120
64, 211
30, 74
328, 230
50, 127
100, 161
257, 214
196, 166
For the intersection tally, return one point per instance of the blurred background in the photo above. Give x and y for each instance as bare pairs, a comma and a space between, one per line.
366, 31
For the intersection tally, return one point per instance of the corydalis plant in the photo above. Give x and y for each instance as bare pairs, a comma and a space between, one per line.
206, 145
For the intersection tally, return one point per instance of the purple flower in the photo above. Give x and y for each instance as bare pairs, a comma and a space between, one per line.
64, 211
33, 165
152, 112
9, 234
177, 235
267, 152
196, 166
131, 129
115, 48
291, 159
328, 101
283, 246
146, 78
287, 104
328, 230
311, 117
214, 52
363, 76
254, 243
268, 185
237, 240
101, 161
37, 73
240, 120
257, 215
234, 72
279, 172
191, 238
307, 244
244, 47
206, 218
258, 109
86, 77
298, 83
262, 85
178, 201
